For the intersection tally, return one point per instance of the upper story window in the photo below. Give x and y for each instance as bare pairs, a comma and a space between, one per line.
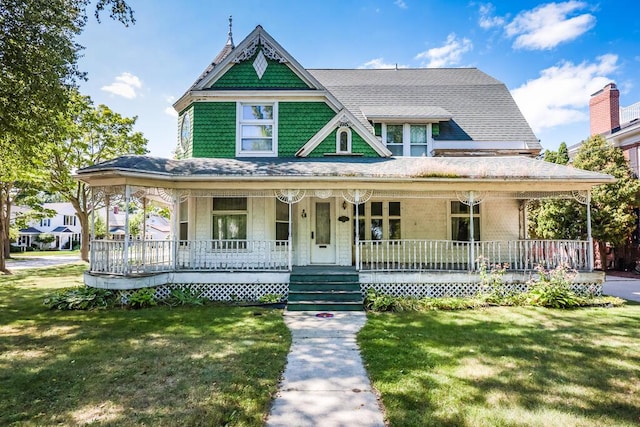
185, 132
257, 129
407, 139
45, 222
343, 140
69, 220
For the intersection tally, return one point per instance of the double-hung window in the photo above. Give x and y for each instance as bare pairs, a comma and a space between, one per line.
257, 129
461, 220
229, 222
383, 220
183, 219
407, 139
69, 220
282, 221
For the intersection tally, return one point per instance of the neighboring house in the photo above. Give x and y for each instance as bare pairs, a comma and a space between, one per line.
403, 177
618, 125
64, 226
157, 227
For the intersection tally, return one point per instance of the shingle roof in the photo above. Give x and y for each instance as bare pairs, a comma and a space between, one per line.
445, 168
482, 107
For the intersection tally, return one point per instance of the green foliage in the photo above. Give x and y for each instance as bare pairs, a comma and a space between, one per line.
552, 288
492, 280
184, 296
144, 297
375, 301
80, 298
45, 238
270, 298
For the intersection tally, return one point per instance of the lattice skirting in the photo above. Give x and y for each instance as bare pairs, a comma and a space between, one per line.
439, 290
218, 291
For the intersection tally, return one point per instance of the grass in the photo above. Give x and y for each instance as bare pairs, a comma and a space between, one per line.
210, 365
506, 366
31, 254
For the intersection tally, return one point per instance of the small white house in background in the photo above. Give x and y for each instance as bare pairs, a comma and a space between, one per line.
156, 226
64, 226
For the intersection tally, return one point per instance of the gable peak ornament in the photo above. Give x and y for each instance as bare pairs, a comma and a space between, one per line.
260, 64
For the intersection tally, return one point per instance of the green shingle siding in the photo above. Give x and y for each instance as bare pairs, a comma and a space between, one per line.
243, 75
358, 146
298, 122
214, 129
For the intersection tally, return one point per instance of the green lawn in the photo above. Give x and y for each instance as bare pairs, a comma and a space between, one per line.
507, 366
18, 255
207, 365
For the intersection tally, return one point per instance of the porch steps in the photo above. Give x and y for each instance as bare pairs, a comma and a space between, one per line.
324, 289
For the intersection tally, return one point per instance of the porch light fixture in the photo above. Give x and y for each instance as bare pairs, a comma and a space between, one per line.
304, 213
344, 204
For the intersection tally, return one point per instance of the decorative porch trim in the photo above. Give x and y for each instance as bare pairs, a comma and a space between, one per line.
290, 196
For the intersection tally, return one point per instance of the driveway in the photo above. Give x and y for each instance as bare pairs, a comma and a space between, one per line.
24, 262
623, 287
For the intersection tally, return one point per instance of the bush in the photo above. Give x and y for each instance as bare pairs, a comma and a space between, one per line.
144, 297
81, 298
552, 288
185, 296
270, 298
375, 301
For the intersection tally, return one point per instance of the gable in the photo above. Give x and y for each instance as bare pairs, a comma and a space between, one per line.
358, 146
244, 75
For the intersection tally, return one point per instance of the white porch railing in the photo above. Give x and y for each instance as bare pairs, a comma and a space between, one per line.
152, 256
421, 255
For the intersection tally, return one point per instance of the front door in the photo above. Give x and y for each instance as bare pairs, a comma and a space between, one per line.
323, 226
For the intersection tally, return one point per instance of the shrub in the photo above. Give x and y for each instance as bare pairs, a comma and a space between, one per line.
552, 288
80, 298
270, 298
144, 297
375, 301
185, 296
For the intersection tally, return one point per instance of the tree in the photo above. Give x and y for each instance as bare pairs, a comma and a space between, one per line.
612, 216
93, 135
555, 219
38, 65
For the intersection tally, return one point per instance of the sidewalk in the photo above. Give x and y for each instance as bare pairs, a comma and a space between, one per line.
623, 287
325, 383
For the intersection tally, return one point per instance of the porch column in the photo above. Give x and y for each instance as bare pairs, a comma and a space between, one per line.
127, 199
144, 228
589, 237
289, 237
472, 251
176, 231
92, 230
357, 238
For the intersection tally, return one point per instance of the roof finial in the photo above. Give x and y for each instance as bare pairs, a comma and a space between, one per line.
230, 35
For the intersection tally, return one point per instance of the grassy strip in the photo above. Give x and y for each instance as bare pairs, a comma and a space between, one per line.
506, 366
205, 365
36, 254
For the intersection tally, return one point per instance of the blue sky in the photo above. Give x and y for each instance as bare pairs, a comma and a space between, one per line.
551, 56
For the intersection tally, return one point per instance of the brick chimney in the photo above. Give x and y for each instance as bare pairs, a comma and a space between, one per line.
604, 110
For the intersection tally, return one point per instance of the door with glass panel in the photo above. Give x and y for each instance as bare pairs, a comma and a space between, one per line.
323, 226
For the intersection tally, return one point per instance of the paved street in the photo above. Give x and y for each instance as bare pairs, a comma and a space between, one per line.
22, 263
623, 287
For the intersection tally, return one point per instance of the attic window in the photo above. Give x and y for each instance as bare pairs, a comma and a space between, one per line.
343, 140
260, 64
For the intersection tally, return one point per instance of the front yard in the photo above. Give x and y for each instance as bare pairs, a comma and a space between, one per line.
206, 365
507, 366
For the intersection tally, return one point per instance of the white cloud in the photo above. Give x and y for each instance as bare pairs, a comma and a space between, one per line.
560, 96
487, 20
548, 25
400, 3
170, 111
379, 63
448, 54
125, 85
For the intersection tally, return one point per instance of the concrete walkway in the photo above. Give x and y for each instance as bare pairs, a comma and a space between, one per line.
325, 383
24, 262
623, 287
